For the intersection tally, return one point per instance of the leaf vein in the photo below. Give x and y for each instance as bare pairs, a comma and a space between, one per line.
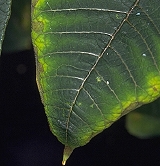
148, 48
100, 56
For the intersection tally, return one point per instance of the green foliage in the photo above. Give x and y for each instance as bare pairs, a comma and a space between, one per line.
5, 6
18, 32
96, 61
145, 121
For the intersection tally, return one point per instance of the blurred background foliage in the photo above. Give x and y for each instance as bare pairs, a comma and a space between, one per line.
18, 31
144, 122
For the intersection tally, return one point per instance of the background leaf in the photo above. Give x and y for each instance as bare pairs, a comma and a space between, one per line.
5, 6
144, 122
96, 61
18, 32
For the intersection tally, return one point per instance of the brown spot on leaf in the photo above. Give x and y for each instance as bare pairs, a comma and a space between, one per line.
155, 89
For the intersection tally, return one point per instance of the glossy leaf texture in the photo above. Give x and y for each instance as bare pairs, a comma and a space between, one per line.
5, 6
96, 61
144, 122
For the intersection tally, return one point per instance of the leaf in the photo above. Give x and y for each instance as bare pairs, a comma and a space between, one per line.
5, 6
144, 122
18, 32
96, 61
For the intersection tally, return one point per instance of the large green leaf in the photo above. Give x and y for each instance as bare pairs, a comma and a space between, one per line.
96, 61
5, 6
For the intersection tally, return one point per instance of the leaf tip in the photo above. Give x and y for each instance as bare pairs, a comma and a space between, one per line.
63, 162
66, 154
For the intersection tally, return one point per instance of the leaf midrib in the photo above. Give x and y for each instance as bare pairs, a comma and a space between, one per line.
95, 64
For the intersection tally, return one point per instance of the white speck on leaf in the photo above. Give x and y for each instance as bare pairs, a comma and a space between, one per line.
144, 55
138, 14
107, 82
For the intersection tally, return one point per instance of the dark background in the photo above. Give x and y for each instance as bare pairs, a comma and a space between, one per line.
25, 138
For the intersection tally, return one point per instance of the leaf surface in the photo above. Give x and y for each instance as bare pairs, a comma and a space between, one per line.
5, 6
96, 61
